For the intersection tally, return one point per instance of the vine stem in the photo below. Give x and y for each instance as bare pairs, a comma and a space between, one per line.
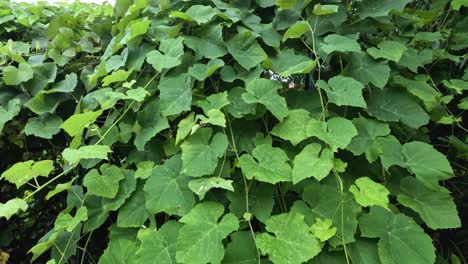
246, 187
343, 241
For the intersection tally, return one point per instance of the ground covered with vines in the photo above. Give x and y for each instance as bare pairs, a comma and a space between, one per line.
213, 131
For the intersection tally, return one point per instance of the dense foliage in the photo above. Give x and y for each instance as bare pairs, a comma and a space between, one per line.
283, 131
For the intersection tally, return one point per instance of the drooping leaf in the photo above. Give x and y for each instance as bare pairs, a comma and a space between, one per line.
15, 76
368, 131
372, 8
242, 249
151, 121
364, 69
287, 63
173, 50
75, 124
6, 114
339, 43
388, 49
293, 127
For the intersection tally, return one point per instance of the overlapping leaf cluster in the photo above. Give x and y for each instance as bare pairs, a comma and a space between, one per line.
213, 131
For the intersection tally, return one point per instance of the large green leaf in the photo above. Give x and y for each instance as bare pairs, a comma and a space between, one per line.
343, 91
266, 164
200, 239
76, 123
392, 104
368, 131
15, 76
246, 50
264, 92
158, 246
175, 94
339, 43
12, 207
44, 126
151, 122
368, 193
326, 202
242, 249
22, 172
364, 69
293, 127
166, 190
104, 183
388, 49
207, 42
173, 50
312, 161
435, 206
292, 241
200, 153
6, 114
86, 152
287, 63
401, 239
378, 8
426, 163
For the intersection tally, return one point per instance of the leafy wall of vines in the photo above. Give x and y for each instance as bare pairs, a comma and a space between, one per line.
267, 131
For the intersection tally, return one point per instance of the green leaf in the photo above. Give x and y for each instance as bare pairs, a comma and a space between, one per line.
395, 105
339, 43
151, 122
175, 94
6, 114
368, 193
321, 10
266, 164
144, 169
373, 8
160, 245
185, 126
105, 183
246, 50
296, 30
60, 188
426, 163
322, 229
412, 58
238, 107
76, 123
435, 206
200, 154
132, 213
173, 50
457, 4
67, 85
12, 207
326, 202
66, 222
388, 49
312, 161
343, 91
86, 152
198, 13
135, 28
201, 186
117, 76
287, 63
340, 132
292, 242
214, 102
207, 42
260, 197
166, 190
364, 69
118, 251
203, 71
15, 76
293, 127
241, 249
264, 92
43, 126
401, 239
285, 4
22, 172
203, 233
368, 131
